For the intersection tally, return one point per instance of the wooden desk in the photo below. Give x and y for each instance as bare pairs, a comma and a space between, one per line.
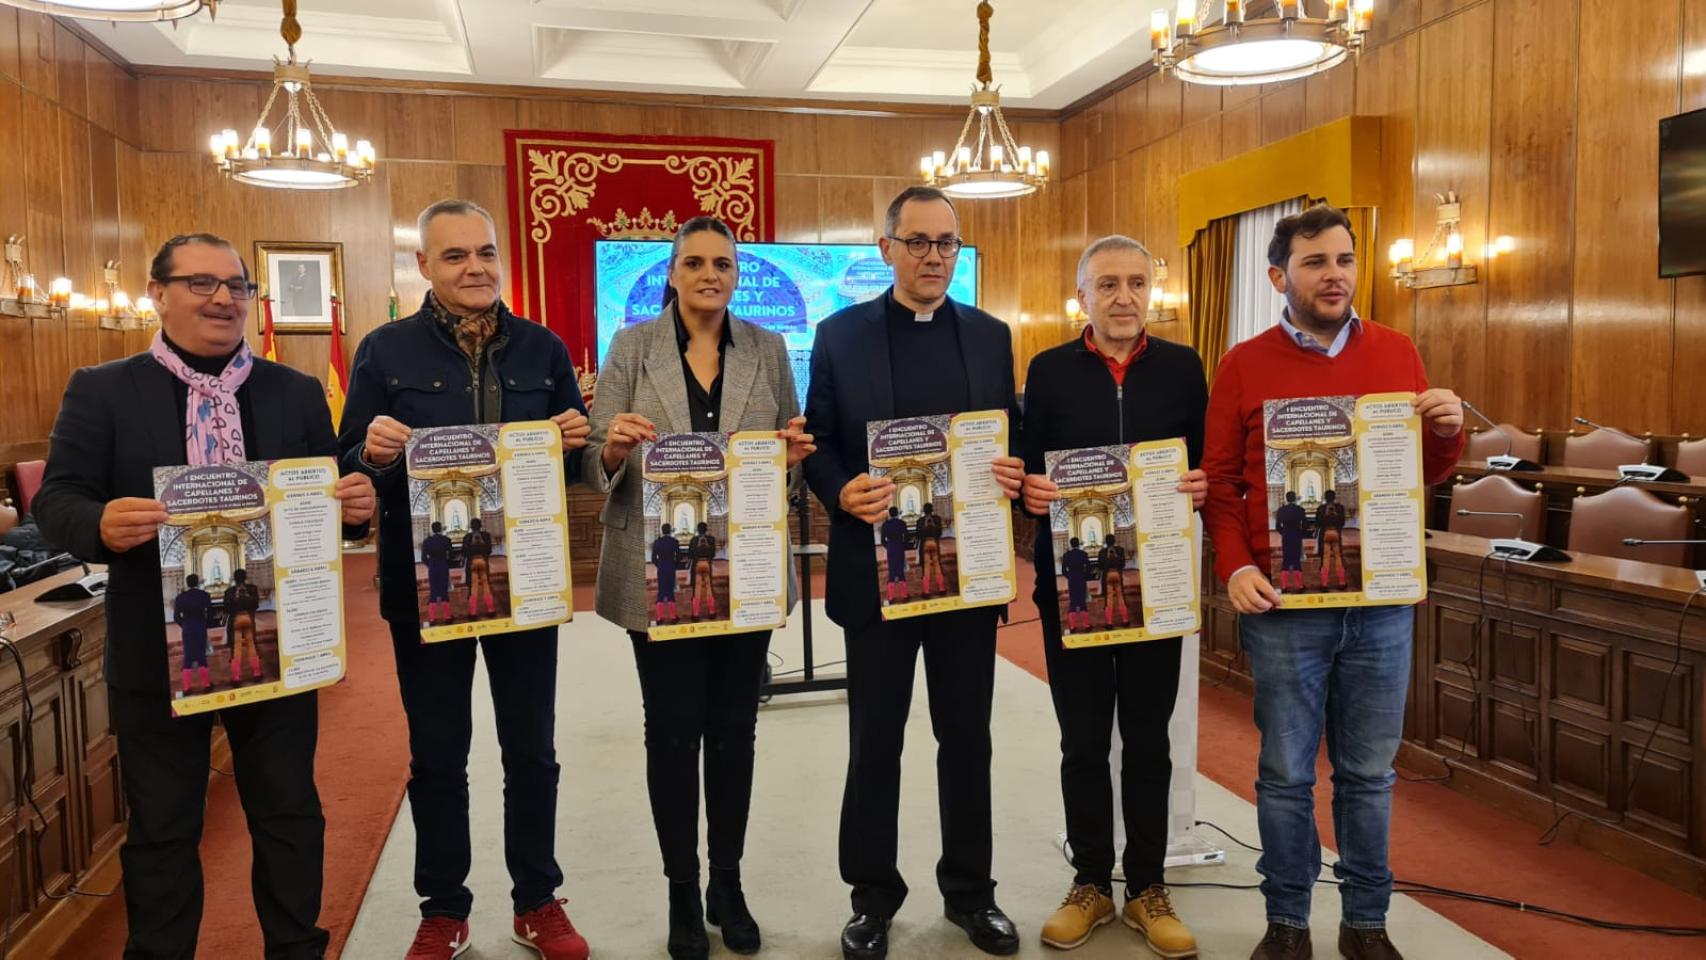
1562, 485
1548, 690
76, 785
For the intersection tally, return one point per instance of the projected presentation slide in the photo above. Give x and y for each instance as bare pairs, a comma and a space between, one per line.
785, 287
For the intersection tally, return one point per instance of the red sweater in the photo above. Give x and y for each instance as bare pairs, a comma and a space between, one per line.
1272, 367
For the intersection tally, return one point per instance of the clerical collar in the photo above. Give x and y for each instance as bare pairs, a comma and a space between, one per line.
898, 311
211, 366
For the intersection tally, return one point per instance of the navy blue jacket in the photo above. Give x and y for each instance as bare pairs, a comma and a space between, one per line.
851, 385
413, 371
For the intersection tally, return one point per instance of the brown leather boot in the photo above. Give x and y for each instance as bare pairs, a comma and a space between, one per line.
1284, 943
1357, 943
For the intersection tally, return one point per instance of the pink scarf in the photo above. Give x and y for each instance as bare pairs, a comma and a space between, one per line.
213, 426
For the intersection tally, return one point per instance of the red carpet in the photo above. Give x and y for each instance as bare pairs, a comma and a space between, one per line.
361, 768
1444, 838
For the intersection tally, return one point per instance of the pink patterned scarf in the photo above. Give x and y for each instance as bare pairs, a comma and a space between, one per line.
213, 426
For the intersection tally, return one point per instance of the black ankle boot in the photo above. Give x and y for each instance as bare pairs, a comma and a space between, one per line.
725, 907
687, 938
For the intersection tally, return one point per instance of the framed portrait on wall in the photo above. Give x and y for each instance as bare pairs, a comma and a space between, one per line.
300, 279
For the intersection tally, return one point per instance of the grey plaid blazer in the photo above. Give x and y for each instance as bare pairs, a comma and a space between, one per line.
642, 374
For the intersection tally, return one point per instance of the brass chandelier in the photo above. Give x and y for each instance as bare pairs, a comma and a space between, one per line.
118, 11
991, 165
314, 154
1236, 49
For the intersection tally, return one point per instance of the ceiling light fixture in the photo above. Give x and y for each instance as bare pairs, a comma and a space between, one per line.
992, 165
1236, 50
118, 11
313, 154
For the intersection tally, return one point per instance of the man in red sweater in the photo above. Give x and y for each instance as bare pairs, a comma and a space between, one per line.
1346, 668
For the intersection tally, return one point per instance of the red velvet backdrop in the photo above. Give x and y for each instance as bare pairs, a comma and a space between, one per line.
567, 190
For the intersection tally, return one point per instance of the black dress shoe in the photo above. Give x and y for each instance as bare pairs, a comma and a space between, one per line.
866, 937
988, 928
725, 907
1284, 943
687, 938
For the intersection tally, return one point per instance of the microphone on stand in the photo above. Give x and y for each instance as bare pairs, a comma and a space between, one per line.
92, 584
1650, 472
1638, 542
1520, 548
1503, 461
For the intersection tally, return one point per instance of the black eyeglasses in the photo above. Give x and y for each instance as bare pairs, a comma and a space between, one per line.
948, 247
206, 284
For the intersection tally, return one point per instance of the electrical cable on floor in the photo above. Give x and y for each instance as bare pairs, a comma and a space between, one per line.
1418, 888
815, 666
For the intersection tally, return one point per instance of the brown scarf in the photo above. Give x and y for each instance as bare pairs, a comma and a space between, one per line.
471, 332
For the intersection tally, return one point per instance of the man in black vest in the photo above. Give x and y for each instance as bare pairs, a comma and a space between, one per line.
464, 358
910, 352
117, 422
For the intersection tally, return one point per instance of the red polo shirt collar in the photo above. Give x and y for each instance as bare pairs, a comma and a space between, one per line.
1116, 367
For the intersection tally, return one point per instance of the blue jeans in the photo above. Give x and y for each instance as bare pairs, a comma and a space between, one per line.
1348, 667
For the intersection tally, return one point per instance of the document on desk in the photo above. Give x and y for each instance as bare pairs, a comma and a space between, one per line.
947, 543
1125, 557
251, 571
1345, 500
715, 509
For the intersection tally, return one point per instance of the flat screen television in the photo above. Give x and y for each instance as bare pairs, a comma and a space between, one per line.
785, 287
1682, 194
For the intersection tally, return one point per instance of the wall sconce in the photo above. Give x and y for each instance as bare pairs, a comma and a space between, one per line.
20, 296
1444, 268
1076, 315
1163, 306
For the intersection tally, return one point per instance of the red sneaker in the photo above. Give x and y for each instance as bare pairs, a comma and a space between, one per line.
439, 938
548, 932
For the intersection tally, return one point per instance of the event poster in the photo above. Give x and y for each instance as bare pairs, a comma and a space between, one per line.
251, 572
947, 542
491, 533
716, 514
1124, 549
1345, 500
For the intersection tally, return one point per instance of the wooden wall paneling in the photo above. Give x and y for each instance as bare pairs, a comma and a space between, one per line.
1622, 309
1283, 111
543, 113
1102, 131
1386, 88
9, 42
1129, 195
478, 125
795, 135
361, 114
1074, 155
361, 221
1039, 285
1073, 236
412, 187
1166, 105
1393, 19
50, 351
844, 210
1200, 102
166, 116
1161, 224
1688, 389
1329, 96
796, 209
1452, 154
14, 202
1532, 175
44, 230
127, 107
1200, 144
1241, 129
70, 59
18, 389
416, 127
1099, 201
1435, 9
102, 80
226, 105
858, 146
992, 225
36, 69
1131, 108
1237, 96
134, 253
82, 261
885, 189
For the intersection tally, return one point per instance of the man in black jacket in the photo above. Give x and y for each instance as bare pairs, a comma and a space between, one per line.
910, 352
463, 358
117, 422
1114, 385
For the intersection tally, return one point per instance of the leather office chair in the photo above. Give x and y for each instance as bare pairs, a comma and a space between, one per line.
1498, 494
1604, 450
1691, 457
1599, 523
1491, 443
29, 474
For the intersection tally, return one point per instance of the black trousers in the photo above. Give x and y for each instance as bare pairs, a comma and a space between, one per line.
1139, 682
164, 763
437, 684
959, 670
700, 690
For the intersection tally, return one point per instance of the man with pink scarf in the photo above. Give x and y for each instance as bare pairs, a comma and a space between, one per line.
196, 396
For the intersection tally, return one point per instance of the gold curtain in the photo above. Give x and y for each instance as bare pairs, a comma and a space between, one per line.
1209, 266
1368, 260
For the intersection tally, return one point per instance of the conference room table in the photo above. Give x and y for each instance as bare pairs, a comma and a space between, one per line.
1546, 688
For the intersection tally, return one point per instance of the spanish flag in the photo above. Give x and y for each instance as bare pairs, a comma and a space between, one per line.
337, 378
268, 348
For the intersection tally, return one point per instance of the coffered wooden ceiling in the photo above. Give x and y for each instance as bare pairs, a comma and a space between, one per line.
1045, 53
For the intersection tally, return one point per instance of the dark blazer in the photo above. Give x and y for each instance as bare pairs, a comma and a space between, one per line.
413, 371
851, 385
119, 421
